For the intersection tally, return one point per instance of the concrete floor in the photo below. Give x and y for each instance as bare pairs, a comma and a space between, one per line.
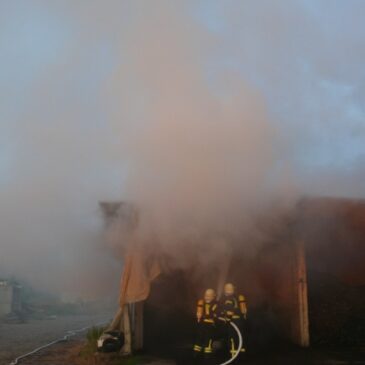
288, 356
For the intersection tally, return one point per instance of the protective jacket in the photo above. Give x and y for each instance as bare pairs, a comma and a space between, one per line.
232, 307
207, 312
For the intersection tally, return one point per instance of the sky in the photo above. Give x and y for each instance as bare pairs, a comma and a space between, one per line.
85, 84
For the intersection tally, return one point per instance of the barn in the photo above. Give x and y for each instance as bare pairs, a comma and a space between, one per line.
304, 285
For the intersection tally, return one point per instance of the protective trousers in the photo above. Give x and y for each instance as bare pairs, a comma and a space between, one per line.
204, 338
233, 338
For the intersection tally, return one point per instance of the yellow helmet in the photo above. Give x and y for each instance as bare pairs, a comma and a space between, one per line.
209, 295
229, 289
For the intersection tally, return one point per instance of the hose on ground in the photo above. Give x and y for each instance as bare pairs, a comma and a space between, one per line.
67, 336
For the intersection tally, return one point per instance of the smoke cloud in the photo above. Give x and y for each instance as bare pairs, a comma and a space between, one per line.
204, 114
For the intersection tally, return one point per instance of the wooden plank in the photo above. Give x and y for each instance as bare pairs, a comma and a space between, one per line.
138, 326
127, 348
304, 340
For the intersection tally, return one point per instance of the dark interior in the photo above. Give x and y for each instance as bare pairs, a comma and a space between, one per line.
170, 316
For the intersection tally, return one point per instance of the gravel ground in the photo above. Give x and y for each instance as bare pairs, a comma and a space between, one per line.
17, 339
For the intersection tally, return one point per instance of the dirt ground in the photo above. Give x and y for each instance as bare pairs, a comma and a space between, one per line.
17, 339
70, 353
290, 356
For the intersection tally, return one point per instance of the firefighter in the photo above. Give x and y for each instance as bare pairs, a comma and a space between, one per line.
233, 308
206, 314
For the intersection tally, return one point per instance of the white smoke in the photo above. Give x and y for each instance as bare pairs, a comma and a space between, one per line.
194, 110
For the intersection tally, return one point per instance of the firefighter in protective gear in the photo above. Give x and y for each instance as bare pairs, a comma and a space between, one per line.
233, 308
206, 314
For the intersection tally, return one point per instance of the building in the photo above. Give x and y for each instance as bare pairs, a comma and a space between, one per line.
305, 284
9, 297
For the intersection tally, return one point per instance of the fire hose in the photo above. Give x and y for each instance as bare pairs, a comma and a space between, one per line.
67, 336
239, 344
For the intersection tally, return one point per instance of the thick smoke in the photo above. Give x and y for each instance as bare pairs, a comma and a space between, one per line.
205, 114
200, 149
